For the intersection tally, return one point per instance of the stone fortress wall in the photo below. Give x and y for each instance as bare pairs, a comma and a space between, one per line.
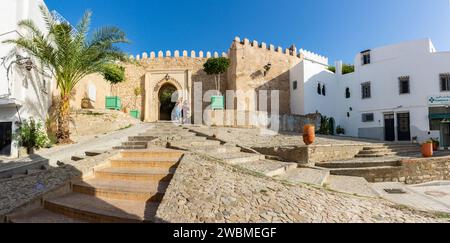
246, 73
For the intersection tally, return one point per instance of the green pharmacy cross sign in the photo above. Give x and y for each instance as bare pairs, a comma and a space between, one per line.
439, 100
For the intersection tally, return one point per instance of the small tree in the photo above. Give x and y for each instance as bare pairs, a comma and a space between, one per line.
114, 74
137, 93
217, 66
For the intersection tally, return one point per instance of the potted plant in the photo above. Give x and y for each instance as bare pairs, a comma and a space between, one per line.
436, 144
114, 74
427, 149
86, 102
135, 113
309, 134
217, 66
32, 135
340, 130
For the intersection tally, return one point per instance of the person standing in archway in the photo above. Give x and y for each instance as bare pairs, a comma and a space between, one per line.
186, 112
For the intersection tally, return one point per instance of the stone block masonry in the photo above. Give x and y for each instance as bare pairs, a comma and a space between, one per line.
310, 155
254, 67
416, 171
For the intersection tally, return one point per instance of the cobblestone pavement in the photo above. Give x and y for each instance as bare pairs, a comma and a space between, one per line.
17, 191
209, 191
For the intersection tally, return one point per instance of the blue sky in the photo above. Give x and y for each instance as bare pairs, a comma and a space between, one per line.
337, 29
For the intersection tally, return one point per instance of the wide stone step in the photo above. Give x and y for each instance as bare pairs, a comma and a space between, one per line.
135, 174
101, 210
380, 151
195, 143
130, 147
125, 190
169, 134
78, 157
134, 143
217, 149
359, 164
43, 216
239, 158
93, 153
141, 138
145, 162
365, 171
269, 167
373, 155
306, 176
152, 154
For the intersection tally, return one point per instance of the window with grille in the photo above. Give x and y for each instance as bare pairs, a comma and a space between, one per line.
368, 117
365, 57
404, 85
366, 90
445, 81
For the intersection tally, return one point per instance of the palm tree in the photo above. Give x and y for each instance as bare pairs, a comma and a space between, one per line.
70, 55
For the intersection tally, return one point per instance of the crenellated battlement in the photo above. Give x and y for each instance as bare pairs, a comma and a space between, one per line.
292, 51
314, 57
177, 54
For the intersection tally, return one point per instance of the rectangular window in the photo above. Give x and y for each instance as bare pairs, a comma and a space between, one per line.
368, 117
295, 85
445, 81
366, 90
404, 85
365, 57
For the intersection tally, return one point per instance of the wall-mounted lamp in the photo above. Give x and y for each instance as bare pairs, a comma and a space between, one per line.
267, 67
25, 62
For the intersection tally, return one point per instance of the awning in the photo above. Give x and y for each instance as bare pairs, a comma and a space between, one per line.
440, 116
10, 103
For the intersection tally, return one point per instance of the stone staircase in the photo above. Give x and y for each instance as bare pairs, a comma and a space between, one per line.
373, 161
127, 190
370, 167
179, 137
378, 151
136, 142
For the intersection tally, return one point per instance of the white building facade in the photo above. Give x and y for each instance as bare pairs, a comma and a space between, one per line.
24, 91
397, 93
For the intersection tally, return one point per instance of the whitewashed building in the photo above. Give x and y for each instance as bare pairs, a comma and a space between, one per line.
397, 93
24, 91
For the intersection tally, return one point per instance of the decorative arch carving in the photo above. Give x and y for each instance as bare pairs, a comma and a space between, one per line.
167, 80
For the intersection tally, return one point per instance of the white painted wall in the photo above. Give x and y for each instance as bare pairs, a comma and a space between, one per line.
30, 91
417, 59
306, 100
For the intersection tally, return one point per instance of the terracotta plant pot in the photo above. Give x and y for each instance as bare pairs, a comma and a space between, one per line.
427, 150
85, 103
309, 134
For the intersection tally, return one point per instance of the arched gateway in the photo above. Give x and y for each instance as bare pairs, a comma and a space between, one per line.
160, 87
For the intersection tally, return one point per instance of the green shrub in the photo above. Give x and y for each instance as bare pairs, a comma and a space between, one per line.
346, 68
32, 135
325, 124
340, 130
